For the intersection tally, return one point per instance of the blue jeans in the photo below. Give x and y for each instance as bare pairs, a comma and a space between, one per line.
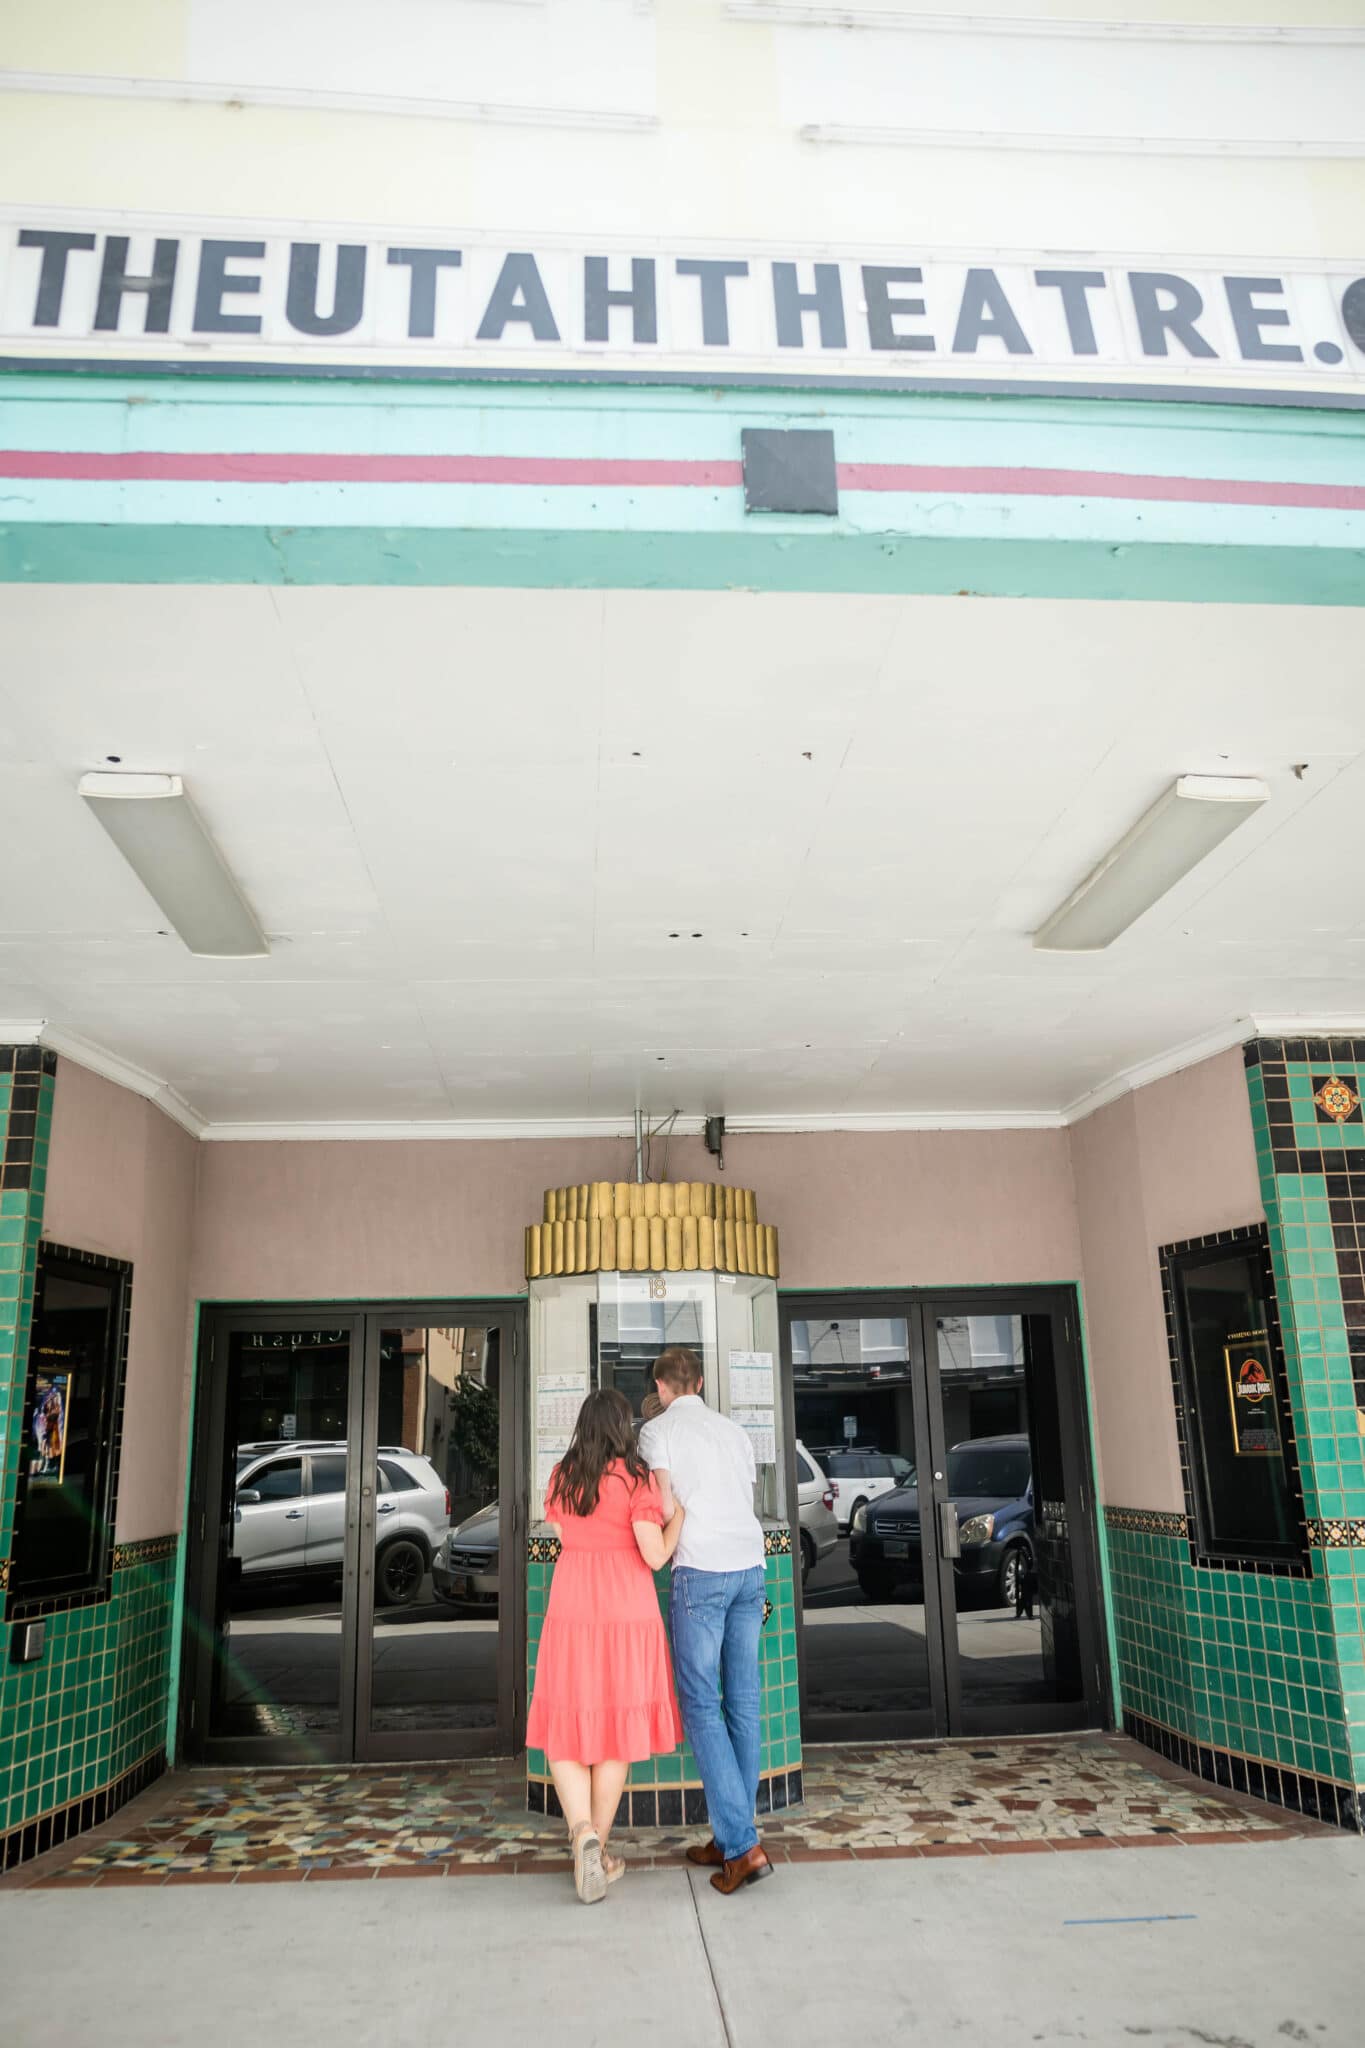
715, 1620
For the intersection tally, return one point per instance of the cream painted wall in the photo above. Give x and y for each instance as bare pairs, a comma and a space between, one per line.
121, 1180
1174, 1160
327, 1220
718, 105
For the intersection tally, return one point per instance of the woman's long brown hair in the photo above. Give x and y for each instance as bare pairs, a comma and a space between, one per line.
605, 1435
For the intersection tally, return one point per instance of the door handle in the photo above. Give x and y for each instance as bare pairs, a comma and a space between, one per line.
294, 1515
948, 1542
386, 1507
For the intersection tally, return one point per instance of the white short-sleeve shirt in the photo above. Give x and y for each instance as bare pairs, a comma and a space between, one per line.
710, 1462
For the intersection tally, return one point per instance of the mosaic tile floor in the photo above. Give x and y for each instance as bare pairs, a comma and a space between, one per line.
434, 1820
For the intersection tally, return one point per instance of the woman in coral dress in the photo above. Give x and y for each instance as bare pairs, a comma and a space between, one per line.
603, 1696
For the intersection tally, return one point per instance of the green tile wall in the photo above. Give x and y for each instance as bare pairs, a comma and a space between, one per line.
1312, 1171
781, 1685
94, 1706
1243, 1662
85, 1723
1260, 1676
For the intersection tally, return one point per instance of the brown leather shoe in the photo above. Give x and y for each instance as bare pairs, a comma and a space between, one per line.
706, 1855
745, 1869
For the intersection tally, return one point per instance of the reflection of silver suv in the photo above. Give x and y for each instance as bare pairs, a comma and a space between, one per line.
289, 1516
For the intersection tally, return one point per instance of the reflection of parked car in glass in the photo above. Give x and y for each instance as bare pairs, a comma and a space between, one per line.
990, 1483
289, 1516
815, 1511
858, 1475
465, 1568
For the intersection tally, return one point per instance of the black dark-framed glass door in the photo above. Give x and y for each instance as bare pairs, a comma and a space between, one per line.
355, 1588
950, 1576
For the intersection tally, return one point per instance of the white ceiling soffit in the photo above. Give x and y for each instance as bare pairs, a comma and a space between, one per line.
526, 858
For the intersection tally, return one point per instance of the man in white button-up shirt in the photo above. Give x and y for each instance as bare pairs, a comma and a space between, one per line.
715, 1608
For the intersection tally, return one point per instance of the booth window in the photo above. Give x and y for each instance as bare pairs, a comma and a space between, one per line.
1236, 1431
73, 1397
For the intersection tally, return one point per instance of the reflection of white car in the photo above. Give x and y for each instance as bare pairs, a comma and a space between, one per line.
858, 1477
289, 1516
815, 1512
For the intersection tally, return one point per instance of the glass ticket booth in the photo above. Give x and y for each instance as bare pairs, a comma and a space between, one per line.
604, 1327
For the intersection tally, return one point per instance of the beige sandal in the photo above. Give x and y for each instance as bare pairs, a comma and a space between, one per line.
589, 1875
614, 1866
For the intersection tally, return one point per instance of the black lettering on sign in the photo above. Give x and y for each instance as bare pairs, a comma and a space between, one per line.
1353, 311
216, 282
599, 297
791, 305
348, 297
715, 296
883, 308
1158, 323
424, 265
518, 297
115, 282
987, 315
1248, 319
56, 247
1075, 287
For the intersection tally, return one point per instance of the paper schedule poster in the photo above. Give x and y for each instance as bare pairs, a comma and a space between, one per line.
757, 1424
751, 1380
559, 1396
550, 1448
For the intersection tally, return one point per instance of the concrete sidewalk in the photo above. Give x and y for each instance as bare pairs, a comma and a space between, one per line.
1242, 1946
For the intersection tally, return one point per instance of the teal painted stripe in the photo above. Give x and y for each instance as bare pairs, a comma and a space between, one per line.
108, 416
673, 510
766, 560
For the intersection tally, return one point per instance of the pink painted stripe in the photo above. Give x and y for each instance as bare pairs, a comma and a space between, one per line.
146, 466
1097, 483
608, 472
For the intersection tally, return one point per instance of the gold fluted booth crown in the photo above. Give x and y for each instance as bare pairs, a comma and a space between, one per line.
627, 1226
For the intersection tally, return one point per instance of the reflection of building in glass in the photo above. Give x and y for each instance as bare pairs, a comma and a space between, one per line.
442, 1401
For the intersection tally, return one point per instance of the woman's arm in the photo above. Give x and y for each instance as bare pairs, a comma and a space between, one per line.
657, 1545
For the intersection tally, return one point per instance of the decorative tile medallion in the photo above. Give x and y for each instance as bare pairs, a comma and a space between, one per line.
1336, 1534
542, 1549
777, 1542
150, 1550
1147, 1521
1336, 1099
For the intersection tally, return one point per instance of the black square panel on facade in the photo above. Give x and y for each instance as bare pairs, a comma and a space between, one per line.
789, 469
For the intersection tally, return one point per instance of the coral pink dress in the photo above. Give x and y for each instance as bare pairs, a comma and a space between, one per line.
604, 1682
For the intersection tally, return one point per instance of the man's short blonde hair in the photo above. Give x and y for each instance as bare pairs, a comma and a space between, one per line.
679, 1369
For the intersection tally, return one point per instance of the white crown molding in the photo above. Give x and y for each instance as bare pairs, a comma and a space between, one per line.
823, 132
433, 1130
791, 14
112, 86
868, 1121
1141, 1075
83, 1052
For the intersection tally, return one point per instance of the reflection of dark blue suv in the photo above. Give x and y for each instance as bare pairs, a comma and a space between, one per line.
990, 1483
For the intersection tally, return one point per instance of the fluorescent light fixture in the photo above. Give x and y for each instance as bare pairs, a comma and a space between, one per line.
162, 837
1196, 814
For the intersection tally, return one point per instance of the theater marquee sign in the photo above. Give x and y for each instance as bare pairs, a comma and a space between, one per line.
238, 293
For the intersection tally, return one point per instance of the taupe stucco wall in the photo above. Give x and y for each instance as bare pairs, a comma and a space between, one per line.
403, 1220
1173, 1160
122, 1180
334, 1220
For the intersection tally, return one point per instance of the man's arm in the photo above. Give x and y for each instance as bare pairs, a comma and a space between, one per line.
654, 1451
